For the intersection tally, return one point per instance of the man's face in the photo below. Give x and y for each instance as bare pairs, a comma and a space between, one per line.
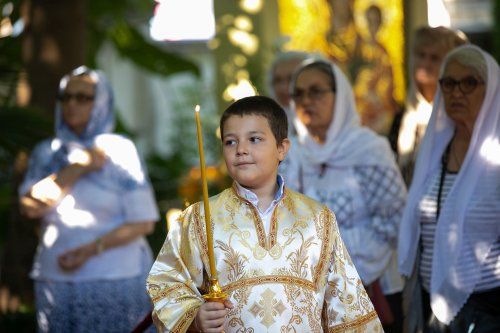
427, 63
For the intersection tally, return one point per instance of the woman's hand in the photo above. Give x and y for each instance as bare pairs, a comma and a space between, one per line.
211, 317
93, 160
75, 258
48, 191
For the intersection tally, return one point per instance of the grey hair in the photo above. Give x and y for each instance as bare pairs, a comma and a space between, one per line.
288, 55
469, 56
319, 63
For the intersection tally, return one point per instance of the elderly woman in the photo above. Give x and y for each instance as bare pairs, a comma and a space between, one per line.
280, 77
352, 170
450, 233
430, 46
96, 204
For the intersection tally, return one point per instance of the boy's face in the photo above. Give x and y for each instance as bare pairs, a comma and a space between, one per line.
251, 152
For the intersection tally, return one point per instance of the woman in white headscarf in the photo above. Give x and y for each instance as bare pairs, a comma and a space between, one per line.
279, 79
430, 46
450, 234
96, 203
353, 171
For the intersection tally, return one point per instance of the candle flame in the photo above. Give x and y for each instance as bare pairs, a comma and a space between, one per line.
197, 108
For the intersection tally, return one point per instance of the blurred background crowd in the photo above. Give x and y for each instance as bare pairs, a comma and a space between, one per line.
162, 58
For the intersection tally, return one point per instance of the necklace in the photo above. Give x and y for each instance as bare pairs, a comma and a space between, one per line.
455, 158
444, 165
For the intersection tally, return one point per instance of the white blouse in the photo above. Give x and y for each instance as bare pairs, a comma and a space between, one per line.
368, 204
88, 211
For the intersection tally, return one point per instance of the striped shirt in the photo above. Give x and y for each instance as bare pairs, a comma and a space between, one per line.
490, 274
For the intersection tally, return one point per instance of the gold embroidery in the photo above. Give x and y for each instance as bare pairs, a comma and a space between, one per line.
259, 252
295, 282
267, 308
254, 215
183, 324
201, 234
235, 262
327, 220
273, 229
357, 323
249, 282
276, 251
159, 294
296, 319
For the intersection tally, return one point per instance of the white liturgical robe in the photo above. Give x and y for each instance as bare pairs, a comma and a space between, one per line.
297, 278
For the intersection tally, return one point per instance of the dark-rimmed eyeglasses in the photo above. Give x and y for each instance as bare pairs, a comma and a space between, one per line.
80, 98
466, 85
313, 93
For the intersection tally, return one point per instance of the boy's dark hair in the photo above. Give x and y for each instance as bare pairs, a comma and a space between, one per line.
260, 106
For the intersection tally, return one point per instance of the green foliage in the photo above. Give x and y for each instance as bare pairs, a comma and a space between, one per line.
130, 43
21, 128
113, 22
117, 23
10, 66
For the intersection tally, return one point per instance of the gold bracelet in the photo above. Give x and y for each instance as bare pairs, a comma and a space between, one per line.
99, 246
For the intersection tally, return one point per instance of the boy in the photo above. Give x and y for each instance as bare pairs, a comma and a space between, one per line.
278, 253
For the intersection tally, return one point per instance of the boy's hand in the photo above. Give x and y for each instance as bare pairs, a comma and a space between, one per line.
211, 316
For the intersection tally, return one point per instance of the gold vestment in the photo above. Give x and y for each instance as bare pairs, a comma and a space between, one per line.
299, 278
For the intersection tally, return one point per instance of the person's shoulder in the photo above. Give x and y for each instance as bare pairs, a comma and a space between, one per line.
48, 143
46, 147
223, 196
374, 141
300, 199
113, 138
299, 202
197, 207
113, 143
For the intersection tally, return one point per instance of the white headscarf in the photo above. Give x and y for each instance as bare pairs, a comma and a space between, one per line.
476, 188
347, 142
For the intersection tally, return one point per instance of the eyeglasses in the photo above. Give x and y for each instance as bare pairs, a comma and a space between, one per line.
80, 98
313, 93
466, 85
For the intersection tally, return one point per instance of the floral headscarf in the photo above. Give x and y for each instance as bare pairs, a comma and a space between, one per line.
102, 119
124, 169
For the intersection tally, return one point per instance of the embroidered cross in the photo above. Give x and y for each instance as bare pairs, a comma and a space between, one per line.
267, 308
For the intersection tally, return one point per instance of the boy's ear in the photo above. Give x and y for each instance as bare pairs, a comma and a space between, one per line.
283, 148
